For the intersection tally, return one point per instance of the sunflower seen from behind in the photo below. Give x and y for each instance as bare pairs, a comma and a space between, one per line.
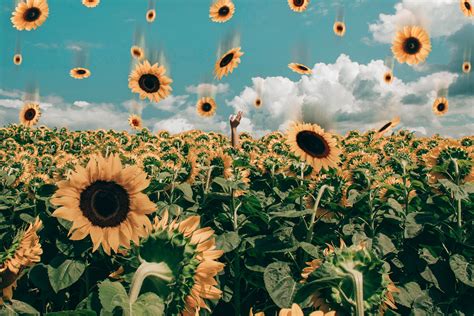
30, 14
300, 68
221, 11
206, 107
30, 114
411, 45
104, 200
440, 106
228, 62
150, 81
298, 5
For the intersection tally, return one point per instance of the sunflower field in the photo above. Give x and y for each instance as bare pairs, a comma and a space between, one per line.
109, 223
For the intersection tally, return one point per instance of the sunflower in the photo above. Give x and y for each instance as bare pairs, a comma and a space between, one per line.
221, 11
466, 8
228, 62
258, 102
440, 106
91, 3
30, 14
24, 252
135, 122
339, 28
30, 114
298, 5
17, 59
411, 45
394, 122
80, 73
150, 15
296, 310
221, 164
150, 81
312, 144
137, 52
466, 67
104, 200
300, 68
388, 77
206, 106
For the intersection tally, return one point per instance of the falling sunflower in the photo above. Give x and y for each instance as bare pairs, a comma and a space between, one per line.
137, 52
222, 11
258, 102
206, 107
466, 67
440, 106
91, 3
298, 5
105, 200
339, 28
150, 81
135, 122
388, 77
466, 8
17, 59
228, 62
411, 45
312, 144
388, 126
150, 15
30, 114
30, 14
80, 73
300, 68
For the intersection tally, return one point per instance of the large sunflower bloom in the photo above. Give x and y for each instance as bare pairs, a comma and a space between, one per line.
105, 200
30, 114
411, 45
228, 62
222, 11
312, 144
298, 5
149, 81
206, 107
30, 14
440, 106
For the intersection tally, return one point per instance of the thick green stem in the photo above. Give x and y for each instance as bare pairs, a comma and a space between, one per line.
309, 234
358, 283
208, 180
236, 263
458, 200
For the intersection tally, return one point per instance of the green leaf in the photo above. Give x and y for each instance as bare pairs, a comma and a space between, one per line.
65, 274
227, 241
429, 276
463, 270
148, 304
84, 312
385, 244
187, 191
280, 284
23, 308
395, 205
111, 295
412, 228
310, 249
408, 294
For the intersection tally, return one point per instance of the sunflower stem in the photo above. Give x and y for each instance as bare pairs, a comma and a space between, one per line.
358, 283
302, 182
309, 234
458, 200
208, 180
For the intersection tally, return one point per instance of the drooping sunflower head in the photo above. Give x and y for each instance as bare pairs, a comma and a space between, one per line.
150, 15
298, 5
135, 122
388, 126
206, 107
411, 45
228, 62
221, 11
445, 157
221, 164
30, 114
312, 144
388, 77
90, 3
466, 67
440, 106
467, 7
339, 28
17, 59
105, 200
300, 68
150, 81
80, 73
137, 52
30, 14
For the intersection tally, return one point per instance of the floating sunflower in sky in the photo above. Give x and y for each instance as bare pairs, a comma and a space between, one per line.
105, 200
466, 67
300, 68
258, 102
221, 11
17, 59
206, 107
30, 114
411, 45
30, 14
150, 81
228, 62
135, 122
467, 8
312, 144
137, 52
387, 126
91, 3
440, 106
80, 73
150, 15
388, 77
339, 28
298, 5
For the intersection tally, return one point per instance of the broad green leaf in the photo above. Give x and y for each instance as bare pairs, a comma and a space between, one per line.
227, 241
412, 228
463, 270
408, 293
310, 249
111, 295
385, 244
148, 304
65, 274
23, 308
187, 191
280, 284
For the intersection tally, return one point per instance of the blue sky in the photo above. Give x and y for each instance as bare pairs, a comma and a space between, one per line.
271, 36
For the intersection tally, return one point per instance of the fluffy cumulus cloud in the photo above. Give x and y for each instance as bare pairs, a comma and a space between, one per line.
439, 17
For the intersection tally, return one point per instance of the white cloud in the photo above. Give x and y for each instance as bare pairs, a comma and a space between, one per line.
171, 103
81, 104
173, 125
439, 17
208, 89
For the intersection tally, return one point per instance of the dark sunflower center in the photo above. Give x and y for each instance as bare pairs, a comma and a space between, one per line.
385, 127
206, 107
226, 60
30, 114
412, 45
105, 203
150, 15
313, 144
32, 14
339, 28
302, 67
388, 77
441, 107
149, 83
258, 101
224, 10
80, 72
298, 3
17, 59
136, 52
467, 5
135, 122
466, 66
